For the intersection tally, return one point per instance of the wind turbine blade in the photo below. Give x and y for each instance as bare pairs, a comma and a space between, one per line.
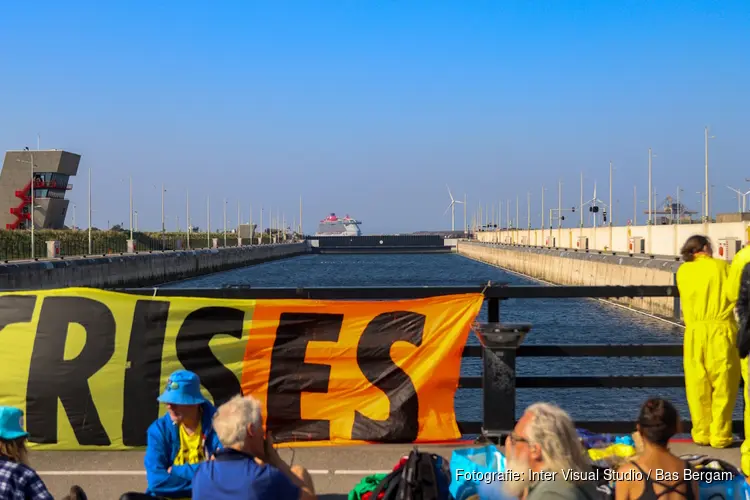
449, 207
449, 192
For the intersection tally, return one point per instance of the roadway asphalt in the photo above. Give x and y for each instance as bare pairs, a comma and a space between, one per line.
335, 470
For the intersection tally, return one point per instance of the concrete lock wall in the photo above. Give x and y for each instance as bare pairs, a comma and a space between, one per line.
656, 239
573, 268
144, 269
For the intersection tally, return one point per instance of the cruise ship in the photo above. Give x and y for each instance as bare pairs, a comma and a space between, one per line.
335, 226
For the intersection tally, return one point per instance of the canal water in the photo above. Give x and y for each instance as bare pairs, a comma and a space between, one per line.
554, 321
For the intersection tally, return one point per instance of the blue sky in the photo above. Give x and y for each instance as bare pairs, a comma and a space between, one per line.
371, 108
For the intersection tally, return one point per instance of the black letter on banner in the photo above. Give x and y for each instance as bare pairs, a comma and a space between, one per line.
143, 376
51, 376
16, 309
290, 376
195, 355
373, 358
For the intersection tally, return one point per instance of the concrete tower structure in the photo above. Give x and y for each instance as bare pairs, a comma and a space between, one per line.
52, 170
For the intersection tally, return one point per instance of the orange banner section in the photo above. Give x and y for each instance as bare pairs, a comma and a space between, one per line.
87, 366
358, 371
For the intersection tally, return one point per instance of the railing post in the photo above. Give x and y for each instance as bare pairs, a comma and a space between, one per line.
493, 310
499, 375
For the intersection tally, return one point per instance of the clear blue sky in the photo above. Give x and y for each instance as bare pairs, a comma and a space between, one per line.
371, 108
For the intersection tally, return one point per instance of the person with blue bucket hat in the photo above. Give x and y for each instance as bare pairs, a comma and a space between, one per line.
179, 441
17, 478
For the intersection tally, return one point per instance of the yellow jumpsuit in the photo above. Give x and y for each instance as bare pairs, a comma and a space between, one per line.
711, 360
741, 259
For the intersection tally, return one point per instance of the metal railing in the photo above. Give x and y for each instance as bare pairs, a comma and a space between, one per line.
502, 343
17, 245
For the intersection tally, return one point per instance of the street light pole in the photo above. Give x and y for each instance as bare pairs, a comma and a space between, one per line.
187, 216
89, 210
581, 210
706, 206
31, 207
131, 207
559, 202
650, 193
208, 221
611, 216
225, 222
163, 228
542, 222
528, 209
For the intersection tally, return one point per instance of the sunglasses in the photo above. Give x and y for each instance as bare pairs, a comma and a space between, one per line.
517, 439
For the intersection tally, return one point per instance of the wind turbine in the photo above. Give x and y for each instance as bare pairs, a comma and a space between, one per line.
740, 195
452, 208
595, 203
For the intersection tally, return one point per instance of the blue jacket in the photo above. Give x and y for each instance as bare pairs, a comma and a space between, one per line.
162, 447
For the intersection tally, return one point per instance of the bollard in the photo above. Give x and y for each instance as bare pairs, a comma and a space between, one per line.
500, 342
215, 242
239, 242
53, 249
131, 246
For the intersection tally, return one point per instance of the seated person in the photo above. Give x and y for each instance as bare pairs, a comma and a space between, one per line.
657, 423
17, 478
544, 448
180, 440
248, 467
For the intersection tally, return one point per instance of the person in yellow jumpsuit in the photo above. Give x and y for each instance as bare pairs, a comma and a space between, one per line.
711, 359
736, 270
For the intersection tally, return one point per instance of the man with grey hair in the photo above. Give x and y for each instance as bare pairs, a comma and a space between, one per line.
545, 458
248, 467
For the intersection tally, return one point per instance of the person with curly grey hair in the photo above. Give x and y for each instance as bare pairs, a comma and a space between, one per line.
545, 458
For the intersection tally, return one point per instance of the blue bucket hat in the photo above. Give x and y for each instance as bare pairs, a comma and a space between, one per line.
183, 388
11, 423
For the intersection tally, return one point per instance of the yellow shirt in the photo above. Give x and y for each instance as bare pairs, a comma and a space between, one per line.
191, 447
191, 450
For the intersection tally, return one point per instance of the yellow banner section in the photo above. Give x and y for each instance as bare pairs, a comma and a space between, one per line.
86, 365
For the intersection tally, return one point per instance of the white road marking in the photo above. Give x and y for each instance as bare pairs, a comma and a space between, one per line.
360, 472
316, 472
91, 472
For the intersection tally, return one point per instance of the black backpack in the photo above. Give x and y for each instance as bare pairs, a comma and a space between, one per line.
419, 478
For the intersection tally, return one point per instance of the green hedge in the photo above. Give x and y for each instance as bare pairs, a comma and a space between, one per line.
16, 244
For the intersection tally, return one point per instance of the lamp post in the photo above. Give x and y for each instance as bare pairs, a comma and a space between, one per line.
650, 192
225, 222
707, 212
528, 210
559, 203
163, 227
611, 216
131, 207
31, 194
89, 210
581, 200
187, 217
542, 221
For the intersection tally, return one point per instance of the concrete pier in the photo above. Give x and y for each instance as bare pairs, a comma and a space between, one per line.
653, 239
141, 269
579, 268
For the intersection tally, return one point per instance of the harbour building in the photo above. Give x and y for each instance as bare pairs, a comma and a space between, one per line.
51, 174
